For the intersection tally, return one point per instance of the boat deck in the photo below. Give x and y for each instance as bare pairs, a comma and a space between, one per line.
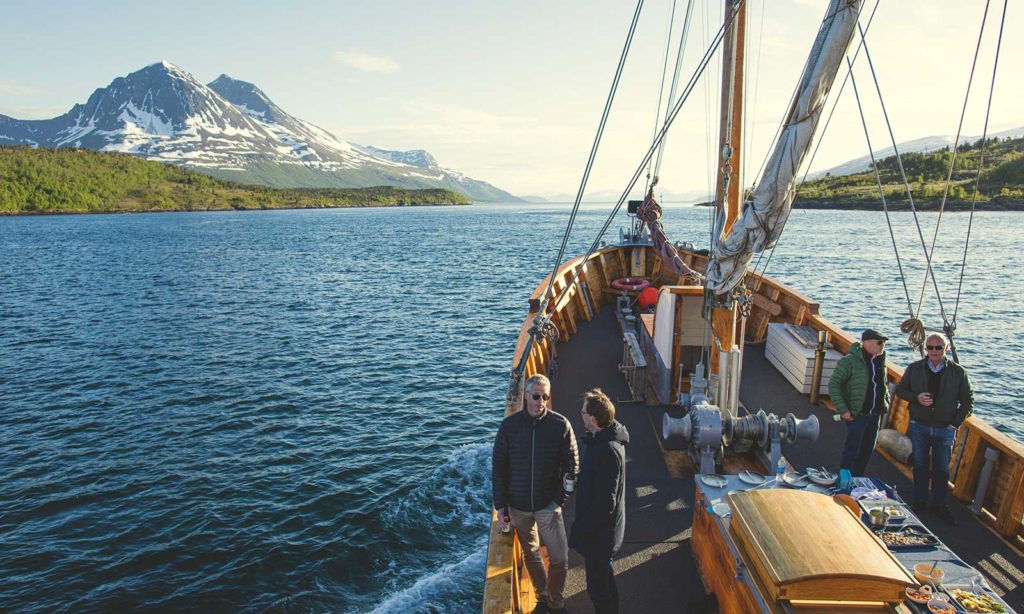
655, 568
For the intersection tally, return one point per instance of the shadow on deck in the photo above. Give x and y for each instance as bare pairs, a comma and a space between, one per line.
655, 569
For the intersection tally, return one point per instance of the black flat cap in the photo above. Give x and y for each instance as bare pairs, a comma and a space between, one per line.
870, 333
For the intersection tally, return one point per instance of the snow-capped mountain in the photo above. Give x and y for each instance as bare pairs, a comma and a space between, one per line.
230, 129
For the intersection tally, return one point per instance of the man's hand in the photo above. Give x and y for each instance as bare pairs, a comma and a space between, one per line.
925, 399
504, 521
846, 416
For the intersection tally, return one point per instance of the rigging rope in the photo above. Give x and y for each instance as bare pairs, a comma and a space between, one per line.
949, 175
675, 82
814, 154
981, 166
594, 147
906, 185
881, 193
542, 321
661, 86
669, 119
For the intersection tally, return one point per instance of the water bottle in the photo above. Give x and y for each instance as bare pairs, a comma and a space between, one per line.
569, 483
780, 469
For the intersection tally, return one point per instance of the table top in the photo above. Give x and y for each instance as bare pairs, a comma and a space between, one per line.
958, 573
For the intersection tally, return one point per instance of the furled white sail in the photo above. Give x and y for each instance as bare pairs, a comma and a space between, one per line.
766, 213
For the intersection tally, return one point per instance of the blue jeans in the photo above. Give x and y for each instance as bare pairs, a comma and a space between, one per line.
601, 588
933, 447
861, 433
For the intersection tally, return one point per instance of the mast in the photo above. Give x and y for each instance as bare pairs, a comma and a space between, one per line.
729, 186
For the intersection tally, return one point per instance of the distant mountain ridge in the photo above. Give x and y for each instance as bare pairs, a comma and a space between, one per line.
233, 130
921, 145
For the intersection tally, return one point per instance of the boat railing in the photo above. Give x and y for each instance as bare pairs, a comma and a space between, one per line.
982, 455
996, 492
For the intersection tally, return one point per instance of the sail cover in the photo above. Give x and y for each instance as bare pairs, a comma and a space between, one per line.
766, 213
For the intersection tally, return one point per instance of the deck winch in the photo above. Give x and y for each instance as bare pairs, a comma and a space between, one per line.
707, 430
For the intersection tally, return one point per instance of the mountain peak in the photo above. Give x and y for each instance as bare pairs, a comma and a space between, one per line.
250, 98
419, 158
228, 128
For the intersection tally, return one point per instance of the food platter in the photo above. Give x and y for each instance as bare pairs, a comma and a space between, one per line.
938, 606
976, 601
714, 480
749, 477
910, 536
795, 480
902, 541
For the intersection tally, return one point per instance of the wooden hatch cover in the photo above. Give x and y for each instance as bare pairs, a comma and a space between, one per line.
804, 546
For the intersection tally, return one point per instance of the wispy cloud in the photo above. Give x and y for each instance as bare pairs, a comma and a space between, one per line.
366, 62
13, 89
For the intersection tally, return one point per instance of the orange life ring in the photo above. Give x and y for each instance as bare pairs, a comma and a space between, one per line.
631, 284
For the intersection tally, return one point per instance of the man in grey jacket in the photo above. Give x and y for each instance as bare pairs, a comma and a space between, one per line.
941, 398
534, 452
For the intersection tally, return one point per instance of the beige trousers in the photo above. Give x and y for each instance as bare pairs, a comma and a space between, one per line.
545, 527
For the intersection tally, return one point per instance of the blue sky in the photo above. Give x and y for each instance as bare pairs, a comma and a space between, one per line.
506, 92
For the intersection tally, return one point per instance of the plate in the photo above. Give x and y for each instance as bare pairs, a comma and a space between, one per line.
823, 478
714, 481
818, 488
751, 478
921, 594
795, 480
721, 509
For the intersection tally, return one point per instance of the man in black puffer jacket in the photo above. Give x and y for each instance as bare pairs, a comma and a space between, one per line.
534, 452
600, 520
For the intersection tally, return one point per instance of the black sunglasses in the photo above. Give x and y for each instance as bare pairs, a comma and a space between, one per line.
935, 347
537, 396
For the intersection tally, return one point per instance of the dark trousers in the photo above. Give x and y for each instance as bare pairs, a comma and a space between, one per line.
933, 447
601, 588
861, 433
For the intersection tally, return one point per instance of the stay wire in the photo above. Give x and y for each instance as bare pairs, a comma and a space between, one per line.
661, 88
906, 185
684, 34
981, 166
814, 154
594, 147
881, 190
952, 159
669, 119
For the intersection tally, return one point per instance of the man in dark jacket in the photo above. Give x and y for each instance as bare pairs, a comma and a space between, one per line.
534, 453
941, 398
859, 390
601, 499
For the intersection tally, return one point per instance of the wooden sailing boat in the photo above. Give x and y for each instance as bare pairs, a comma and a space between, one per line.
678, 551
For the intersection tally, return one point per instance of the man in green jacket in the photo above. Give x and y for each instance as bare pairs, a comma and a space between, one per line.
858, 389
941, 398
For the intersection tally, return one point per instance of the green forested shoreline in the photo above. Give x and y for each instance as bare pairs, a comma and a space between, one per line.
1001, 185
68, 180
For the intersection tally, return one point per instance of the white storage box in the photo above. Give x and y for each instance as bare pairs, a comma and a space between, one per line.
795, 360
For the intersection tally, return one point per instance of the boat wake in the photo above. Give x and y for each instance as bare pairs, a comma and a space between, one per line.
443, 521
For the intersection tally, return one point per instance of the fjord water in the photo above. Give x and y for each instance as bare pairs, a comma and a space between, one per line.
293, 410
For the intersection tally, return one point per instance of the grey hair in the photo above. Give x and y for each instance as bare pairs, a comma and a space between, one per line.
944, 338
537, 378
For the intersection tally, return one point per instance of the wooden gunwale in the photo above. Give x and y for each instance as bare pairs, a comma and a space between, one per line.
505, 591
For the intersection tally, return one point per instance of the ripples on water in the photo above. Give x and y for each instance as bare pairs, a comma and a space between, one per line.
292, 410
